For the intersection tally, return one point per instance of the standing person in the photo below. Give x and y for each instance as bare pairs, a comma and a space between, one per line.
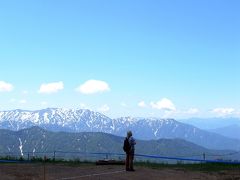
129, 148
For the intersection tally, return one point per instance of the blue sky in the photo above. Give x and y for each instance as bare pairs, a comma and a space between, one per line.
123, 58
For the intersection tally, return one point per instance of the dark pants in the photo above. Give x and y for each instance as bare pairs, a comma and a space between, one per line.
129, 161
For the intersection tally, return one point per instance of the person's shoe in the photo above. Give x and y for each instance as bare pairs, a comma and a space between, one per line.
131, 169
127, 169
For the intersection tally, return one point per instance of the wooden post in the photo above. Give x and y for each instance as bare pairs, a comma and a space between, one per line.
44, 168
54, 155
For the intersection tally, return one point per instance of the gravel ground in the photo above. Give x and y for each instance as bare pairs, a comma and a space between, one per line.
37, 171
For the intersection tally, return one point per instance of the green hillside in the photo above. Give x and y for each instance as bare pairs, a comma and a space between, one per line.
35, 140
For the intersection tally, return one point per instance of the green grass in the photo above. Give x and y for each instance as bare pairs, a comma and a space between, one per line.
205, 167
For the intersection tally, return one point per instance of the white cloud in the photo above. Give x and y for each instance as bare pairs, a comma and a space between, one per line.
238, 112
43, 103
12, 100
93, 86
51, 87
123, 104
142, 104
169, 114
104, 108
25, 92
223, 111
192, 111
4, 86
23, 101
163, 104
83, 106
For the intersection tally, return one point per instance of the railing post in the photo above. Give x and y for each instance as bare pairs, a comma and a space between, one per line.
44, 168
54, 155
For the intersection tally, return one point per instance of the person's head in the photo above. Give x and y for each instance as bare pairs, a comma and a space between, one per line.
129, 134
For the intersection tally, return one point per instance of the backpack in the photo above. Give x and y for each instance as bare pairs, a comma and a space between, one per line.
126, 145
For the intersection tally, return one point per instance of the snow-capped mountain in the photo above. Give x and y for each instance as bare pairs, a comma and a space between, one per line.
82, 120
56, 119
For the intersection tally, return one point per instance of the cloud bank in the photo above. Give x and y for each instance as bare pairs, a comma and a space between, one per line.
51, 87
163, 104
5, 87
93, 87
223, 111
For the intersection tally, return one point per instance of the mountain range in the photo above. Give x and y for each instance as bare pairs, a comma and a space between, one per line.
83, 120
231, 131
37, 142
212, 123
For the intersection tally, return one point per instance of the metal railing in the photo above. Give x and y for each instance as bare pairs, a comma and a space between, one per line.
93, 156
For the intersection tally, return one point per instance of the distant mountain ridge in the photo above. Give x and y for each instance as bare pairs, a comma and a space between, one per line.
212, 123
231, 131
34, 140
83, 120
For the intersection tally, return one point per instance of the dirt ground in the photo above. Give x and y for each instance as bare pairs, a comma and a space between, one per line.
106, 172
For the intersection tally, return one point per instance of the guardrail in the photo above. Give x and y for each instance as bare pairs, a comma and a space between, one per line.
92, 156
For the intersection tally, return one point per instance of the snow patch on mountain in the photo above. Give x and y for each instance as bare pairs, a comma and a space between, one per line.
20, 146
83, 120
80, 120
